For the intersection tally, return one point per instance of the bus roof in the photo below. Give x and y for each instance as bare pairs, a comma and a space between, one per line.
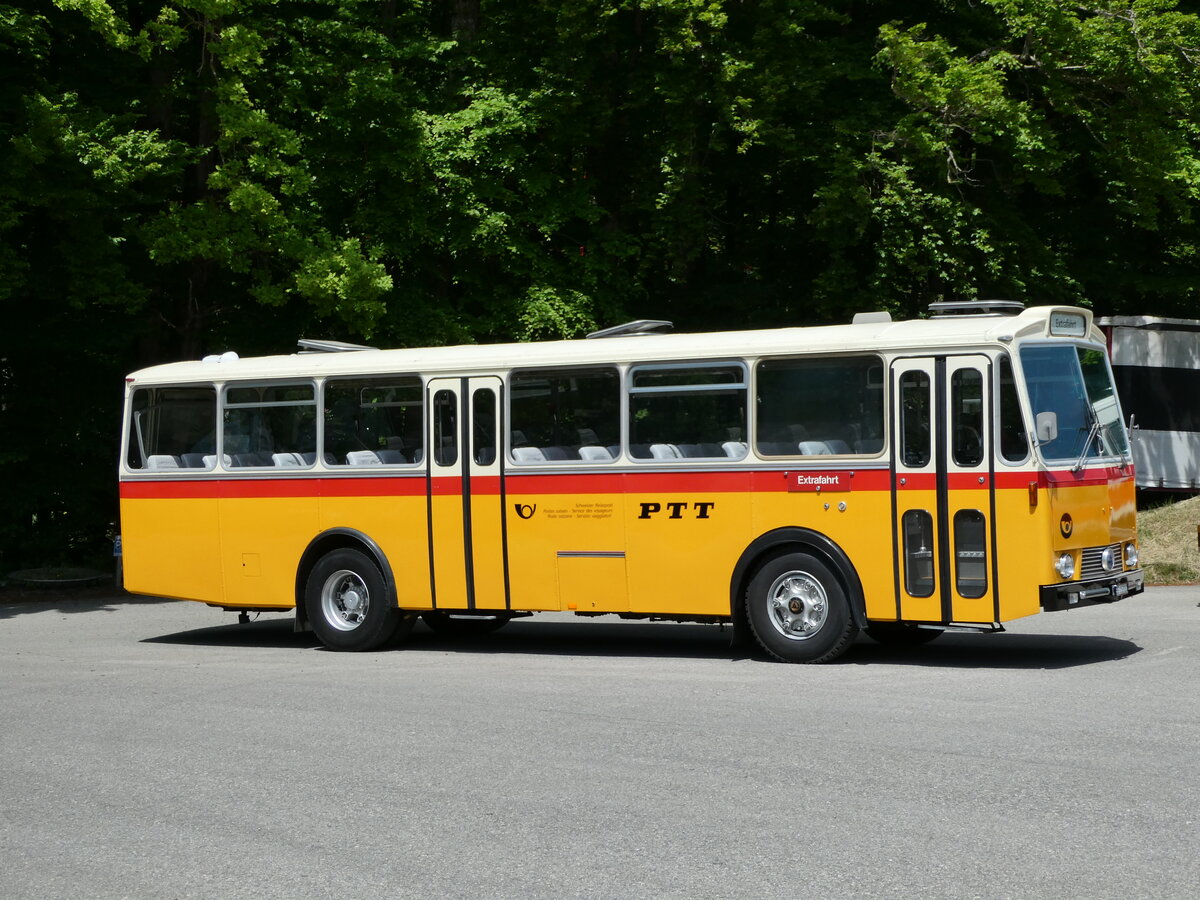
959, 331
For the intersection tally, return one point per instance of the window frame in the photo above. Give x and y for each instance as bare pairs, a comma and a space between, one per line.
629, 391
223, 405
510, 397
883, 360
422, 386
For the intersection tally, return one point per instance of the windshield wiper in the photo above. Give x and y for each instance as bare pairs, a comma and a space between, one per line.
1092, 434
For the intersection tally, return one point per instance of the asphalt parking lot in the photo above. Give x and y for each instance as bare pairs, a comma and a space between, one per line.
158, 749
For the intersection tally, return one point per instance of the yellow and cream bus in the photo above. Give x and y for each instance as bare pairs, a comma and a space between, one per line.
901, 478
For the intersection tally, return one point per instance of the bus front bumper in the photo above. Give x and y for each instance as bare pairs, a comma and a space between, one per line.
1074, 594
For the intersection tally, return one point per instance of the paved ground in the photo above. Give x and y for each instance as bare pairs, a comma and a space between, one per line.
157, 749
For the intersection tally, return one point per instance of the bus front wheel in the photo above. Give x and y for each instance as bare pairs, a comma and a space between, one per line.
348, 605
799, 611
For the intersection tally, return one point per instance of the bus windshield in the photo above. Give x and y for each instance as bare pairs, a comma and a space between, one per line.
1072, 388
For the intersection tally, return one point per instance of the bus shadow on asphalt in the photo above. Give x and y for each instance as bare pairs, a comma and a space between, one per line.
647, 640
997, 651
71, 603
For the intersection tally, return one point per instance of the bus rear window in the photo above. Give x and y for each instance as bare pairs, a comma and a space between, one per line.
172, 428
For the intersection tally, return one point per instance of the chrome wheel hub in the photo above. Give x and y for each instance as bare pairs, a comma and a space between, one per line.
797, 605
345, 600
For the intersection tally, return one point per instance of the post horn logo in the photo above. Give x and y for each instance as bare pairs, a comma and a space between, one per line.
524, 510
1065, 525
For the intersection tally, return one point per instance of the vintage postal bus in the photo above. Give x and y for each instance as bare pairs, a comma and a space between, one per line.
803, 484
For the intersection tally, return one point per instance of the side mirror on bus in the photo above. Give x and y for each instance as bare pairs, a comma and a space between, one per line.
1046, 427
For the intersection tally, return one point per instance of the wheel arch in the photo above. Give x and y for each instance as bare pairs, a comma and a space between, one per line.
788, 540
339, 539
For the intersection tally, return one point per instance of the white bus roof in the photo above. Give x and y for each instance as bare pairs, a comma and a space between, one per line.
959, 331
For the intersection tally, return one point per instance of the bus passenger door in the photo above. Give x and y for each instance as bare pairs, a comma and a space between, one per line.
466, 494
915, 424
942, 489
970, 485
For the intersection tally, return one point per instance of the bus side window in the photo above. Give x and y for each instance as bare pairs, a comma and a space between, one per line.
686, 412
374, 421
270, 425
815, 406
565, 415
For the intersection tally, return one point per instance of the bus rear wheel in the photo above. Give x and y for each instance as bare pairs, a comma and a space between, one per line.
798, 610
463, 626
348, 605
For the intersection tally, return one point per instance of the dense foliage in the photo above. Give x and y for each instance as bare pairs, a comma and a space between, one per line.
183, 177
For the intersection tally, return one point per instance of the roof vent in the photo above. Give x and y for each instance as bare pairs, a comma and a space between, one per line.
877, 317
638, 326
949, 308
311, 346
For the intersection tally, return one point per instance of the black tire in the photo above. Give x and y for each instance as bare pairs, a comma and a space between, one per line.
900, 634
798, 610
463, 626
348, 605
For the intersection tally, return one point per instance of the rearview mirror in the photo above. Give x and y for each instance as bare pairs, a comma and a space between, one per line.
1046, 427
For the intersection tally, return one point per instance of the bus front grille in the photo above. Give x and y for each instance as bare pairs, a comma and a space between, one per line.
1093, 559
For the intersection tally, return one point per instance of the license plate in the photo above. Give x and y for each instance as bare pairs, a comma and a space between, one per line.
1120, 590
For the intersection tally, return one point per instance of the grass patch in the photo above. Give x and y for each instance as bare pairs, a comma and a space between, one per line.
1167, 538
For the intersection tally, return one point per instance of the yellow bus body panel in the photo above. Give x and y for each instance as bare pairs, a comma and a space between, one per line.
172, 548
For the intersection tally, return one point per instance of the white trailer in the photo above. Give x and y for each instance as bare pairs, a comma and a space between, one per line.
1156, 363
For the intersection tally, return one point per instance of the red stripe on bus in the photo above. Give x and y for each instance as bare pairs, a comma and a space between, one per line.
738, 481
240, 488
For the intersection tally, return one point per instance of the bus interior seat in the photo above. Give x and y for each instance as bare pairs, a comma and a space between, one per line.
288, 461
391, 457
595, 453
194, 460
665, 451
555, 453
363, 458
161, 462
527, 455
837, 447
814, 448
734, 449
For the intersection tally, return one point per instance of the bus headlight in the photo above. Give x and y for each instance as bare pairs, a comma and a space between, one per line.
1065, 566
1131, 556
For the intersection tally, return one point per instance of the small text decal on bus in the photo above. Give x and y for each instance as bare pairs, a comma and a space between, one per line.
674, 510
818, 481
